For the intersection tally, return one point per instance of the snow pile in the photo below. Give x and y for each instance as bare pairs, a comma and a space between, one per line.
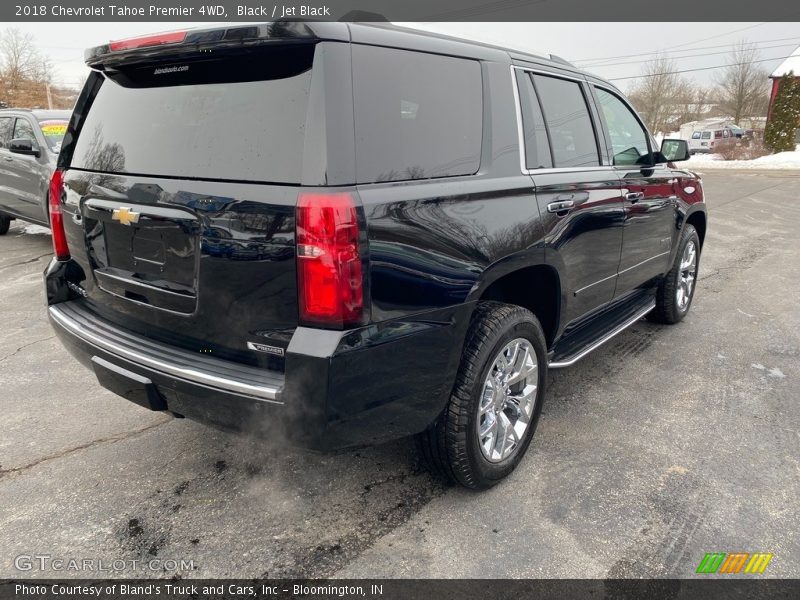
32, 229
781, 160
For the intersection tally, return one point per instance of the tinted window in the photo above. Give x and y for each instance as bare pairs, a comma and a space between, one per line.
416, 115
696, 135
706, 135
224, 119
5, 130
537, 148
23, 130
628, 137
568, 122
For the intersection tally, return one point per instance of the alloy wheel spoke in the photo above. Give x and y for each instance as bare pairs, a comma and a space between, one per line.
523, 402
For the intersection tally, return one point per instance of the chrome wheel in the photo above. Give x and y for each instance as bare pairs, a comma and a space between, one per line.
507, 400
686, 276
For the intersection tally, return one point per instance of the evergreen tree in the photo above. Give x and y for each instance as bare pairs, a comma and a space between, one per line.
785, 115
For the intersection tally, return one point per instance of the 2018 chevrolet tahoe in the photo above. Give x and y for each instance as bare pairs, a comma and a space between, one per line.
339, 234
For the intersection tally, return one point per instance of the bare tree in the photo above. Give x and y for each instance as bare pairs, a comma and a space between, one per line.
655, 94
24, 72
743, 87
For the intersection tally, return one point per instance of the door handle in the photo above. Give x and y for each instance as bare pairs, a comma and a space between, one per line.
562, 206
8, 158
634, 196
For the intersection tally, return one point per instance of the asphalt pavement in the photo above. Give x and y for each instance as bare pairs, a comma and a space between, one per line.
667, 443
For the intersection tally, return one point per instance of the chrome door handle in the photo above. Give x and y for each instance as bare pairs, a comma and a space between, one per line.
634, 196
557, 207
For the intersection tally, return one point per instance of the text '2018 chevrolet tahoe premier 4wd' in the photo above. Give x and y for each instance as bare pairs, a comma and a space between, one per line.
340, 234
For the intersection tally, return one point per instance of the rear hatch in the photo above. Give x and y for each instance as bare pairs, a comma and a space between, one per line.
180, 197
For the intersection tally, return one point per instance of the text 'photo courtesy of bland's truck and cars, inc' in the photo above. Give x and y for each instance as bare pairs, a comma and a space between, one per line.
270, 11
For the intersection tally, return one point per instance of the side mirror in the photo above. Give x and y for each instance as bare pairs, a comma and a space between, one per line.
24, 146
675, 150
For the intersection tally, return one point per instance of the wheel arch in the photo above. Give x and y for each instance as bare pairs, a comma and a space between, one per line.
536, 288
697, 219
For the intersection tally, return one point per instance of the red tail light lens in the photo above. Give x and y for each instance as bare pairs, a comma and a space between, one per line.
173, 37
56, 216
329, 277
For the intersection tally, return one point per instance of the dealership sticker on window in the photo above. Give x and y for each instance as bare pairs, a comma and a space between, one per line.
53, 127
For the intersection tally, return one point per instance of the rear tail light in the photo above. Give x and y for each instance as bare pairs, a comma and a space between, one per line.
57, 217
173, 37
329, 274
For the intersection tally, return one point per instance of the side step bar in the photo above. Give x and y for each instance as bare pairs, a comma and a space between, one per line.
571, 360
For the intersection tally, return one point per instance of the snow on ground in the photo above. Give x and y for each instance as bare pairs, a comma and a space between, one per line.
36, 229
781, 160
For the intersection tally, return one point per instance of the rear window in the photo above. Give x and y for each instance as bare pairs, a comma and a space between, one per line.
240, 119
417, 115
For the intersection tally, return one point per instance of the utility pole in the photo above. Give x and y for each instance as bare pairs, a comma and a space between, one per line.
49, 96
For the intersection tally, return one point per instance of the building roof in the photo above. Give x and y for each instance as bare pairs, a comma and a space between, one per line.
790, 64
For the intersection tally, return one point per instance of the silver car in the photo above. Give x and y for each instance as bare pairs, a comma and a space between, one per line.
30, 141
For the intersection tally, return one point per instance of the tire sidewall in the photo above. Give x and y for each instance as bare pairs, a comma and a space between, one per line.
486, 470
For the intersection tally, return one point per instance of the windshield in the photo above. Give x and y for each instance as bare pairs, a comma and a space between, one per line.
53, 131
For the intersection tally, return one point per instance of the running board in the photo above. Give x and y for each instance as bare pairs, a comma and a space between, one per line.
571, 360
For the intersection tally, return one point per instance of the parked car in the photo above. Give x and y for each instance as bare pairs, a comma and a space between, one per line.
704, 140
462, 217
29, 144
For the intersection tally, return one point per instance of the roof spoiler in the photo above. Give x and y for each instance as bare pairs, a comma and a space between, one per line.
189, 43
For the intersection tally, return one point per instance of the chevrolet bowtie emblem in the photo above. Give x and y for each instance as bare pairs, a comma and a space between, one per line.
125, 215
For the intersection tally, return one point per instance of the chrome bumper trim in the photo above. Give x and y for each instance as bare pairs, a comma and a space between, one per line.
181, 364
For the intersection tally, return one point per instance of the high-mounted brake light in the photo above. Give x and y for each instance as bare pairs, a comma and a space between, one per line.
57, 217
329, 277
173, 37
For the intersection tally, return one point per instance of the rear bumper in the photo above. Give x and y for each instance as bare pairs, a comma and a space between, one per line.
340, 388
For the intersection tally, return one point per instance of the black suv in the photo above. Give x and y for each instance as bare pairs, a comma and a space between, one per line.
29, 144
339, 234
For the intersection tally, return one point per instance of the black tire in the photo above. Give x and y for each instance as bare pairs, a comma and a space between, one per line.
5, 223
667, 308
451, 445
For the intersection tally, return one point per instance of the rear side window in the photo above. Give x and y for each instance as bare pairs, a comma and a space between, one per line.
239, 119
566, 113
417, 115
537, 148
6, 124
706, 135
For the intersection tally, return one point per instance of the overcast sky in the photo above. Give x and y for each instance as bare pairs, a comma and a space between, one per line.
692, 45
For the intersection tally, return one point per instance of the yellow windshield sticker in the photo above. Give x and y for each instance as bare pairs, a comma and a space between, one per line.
53, 127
